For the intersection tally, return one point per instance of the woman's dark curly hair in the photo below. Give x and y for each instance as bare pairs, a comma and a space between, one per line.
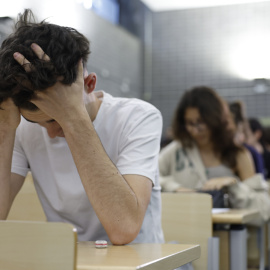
213, 113
65, 46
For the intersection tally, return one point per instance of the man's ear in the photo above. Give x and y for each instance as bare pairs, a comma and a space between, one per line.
90, 82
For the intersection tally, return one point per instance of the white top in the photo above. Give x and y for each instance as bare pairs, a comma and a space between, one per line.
129, 130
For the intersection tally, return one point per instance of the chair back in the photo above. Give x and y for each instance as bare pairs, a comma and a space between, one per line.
187, 218
28, 245
26, 205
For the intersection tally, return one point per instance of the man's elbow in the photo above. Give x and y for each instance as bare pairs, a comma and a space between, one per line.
123, 236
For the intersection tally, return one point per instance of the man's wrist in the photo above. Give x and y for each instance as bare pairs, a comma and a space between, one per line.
76, 121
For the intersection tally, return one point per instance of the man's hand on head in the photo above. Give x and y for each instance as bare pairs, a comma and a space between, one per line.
9, 115
25, 63
61, 102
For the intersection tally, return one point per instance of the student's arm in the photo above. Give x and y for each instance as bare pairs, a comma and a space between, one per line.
245, 166
119, 201
10, 184
219, 183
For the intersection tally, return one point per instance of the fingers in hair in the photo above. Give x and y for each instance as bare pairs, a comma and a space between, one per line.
22, 61
39, 52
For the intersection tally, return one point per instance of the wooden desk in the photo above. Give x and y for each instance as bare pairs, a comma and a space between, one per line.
238, 235
135, 256
235, 216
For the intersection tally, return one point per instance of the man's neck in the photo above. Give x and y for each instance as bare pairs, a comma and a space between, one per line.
93, 104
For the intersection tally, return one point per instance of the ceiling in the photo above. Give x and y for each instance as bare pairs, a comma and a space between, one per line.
163, 5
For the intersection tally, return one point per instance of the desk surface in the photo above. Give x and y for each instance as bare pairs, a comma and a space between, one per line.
135, 256
235, 216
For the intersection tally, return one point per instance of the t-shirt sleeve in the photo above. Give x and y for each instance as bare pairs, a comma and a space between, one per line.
19, 161
140, 144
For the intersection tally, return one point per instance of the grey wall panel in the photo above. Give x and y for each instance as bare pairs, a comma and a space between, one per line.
116, 56
192, 47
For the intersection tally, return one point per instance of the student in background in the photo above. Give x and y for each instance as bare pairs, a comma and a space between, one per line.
166, 138
243, 131
204, 155
257, 140
267, 137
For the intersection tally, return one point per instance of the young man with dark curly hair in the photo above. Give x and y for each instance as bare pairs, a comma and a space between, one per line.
93, 157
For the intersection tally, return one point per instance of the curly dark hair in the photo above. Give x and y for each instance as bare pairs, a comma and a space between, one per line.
64, 45
212, 110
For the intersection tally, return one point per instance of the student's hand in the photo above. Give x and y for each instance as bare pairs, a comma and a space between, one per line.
60, 102
9, 115
219, 183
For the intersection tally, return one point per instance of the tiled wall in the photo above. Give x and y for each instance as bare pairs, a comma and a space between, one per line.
193, 47
116, 56
174, 51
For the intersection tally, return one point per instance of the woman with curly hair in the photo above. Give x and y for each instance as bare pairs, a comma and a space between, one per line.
203, 154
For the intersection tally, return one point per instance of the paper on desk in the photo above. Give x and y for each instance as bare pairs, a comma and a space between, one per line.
219, 210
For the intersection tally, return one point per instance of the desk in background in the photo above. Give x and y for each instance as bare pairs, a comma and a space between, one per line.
135, 256
237, 219
234, 216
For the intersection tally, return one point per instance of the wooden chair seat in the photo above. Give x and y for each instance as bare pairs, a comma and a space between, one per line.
187, 218
28, 245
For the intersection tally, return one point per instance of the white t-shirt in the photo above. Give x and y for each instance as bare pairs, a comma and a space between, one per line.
129, 130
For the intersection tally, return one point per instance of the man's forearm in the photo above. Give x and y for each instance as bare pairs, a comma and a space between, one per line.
113, 200
6, 149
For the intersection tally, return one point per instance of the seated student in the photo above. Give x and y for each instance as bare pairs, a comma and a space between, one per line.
93, 157
267, 137
258, 141
203, 154
241, 133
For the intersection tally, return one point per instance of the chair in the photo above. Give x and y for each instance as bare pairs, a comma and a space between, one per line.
28, 245
26, 205
187, 218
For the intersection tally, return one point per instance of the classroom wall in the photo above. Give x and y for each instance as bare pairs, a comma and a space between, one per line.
162, 54
202, 46
116, 54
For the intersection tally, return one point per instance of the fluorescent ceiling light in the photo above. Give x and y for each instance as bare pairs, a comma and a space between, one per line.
163, 5
249, 56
